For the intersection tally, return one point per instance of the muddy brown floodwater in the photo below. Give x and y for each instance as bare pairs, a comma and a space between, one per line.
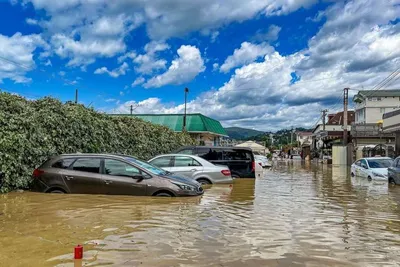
293, 215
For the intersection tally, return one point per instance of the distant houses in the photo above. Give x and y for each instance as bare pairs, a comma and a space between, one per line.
373, 128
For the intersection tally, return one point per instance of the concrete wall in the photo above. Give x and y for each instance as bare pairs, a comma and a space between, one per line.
340, 155
392, 122
207, 138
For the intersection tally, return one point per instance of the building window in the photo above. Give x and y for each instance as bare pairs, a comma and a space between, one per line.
379, 99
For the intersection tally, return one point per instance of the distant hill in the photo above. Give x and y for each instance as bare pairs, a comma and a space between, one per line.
241, 133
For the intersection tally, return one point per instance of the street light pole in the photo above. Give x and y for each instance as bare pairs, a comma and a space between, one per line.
184, 116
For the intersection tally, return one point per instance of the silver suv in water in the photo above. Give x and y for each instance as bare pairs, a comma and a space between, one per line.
109, 174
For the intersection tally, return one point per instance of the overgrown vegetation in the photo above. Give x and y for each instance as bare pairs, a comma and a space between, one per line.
32, 131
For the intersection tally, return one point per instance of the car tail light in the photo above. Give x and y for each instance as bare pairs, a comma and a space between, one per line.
37, 173
253, 166
226, 172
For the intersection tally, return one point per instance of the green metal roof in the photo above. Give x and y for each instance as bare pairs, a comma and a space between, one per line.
381, 93
194, 122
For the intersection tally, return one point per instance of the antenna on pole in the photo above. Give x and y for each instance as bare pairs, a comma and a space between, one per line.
184, 116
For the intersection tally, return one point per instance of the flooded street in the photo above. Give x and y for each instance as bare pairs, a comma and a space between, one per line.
296, 214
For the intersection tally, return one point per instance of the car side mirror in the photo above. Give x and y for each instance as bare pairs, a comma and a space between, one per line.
138, 177
365, 167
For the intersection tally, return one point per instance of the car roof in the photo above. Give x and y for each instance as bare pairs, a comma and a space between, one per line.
376, 158
200, 159
121, 156
218, 147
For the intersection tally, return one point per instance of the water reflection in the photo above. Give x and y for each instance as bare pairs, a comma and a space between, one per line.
295, 214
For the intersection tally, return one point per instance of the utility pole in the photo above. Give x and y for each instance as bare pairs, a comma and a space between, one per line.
76, 96
131, 109
291, 136
184, 116
345, 105
324, 118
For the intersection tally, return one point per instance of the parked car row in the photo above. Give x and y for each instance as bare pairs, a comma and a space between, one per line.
179, 174
240, 161
377, 168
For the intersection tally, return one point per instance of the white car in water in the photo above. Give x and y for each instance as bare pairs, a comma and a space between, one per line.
372, 168
194, 167
262, 161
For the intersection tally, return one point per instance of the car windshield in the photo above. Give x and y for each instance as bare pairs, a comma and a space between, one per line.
379, 163
149, 167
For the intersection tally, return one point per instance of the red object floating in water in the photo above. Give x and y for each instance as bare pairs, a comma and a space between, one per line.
78, 252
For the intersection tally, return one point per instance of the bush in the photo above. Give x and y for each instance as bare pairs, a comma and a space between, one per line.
33, 131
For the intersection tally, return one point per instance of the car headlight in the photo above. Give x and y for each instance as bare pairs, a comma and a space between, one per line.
378, 174
185, 187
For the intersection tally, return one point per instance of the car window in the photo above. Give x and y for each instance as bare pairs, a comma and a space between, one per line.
209, 153
398, 163
162, 162
363, 163
63, 163
119, 168
380, 163
181, 161
237, 155
87, 165
186, 152
358, 163
147, 166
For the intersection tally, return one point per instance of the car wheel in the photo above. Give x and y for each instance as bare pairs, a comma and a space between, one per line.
352, 174
56, 191
392, 181
163, 194
369, 178
203, 181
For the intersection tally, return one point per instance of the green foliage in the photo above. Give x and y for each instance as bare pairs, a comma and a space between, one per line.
33, 131
242, 133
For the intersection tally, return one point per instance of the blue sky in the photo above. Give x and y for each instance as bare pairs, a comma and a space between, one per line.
260, 64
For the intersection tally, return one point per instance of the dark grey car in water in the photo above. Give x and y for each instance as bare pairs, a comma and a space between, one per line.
394, 172
109, 174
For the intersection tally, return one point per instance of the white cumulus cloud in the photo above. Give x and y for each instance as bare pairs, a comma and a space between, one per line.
138, 81
115, 73
182, 69
247, 53
17, 55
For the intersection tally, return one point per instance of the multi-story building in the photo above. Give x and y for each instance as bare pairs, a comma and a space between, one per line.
369, 139
370, 105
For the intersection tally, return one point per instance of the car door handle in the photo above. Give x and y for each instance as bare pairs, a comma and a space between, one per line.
69, 177
107, 182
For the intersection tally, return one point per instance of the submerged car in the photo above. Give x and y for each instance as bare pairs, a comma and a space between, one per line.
109, 174
394, 172
194, 167
262, 161
372, 168
240, 160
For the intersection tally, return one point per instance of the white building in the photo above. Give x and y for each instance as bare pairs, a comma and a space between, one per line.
304, 138
372, 104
